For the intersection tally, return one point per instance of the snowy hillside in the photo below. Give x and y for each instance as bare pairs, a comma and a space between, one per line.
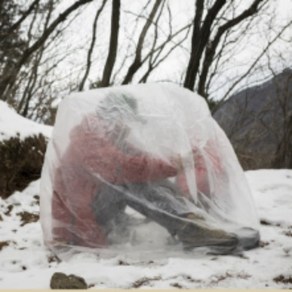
22, 149
25, 263
12, 124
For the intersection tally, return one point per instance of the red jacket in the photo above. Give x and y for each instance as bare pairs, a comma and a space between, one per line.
203, 180
92, 153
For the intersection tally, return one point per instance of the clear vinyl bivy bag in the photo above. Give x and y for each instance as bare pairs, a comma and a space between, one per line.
143, 167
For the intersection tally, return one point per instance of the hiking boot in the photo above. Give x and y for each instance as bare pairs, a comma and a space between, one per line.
248, 238
199, 234
173, 214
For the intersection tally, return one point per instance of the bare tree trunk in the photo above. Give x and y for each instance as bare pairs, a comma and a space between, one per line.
204, 45
138, 54
32, 75
112, 54
200, 39
92, 44
162, 44
25, 14
283, 157
7, 82
213, 45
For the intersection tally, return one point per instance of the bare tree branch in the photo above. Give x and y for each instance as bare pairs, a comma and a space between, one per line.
91, 47
114, 35
138, 54
17, 24
155, 62
270, 43
7, 82
213, 45
200, 38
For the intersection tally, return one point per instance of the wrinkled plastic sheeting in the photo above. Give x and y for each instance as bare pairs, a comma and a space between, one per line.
149, 150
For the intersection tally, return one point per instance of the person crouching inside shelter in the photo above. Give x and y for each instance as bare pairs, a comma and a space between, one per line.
100, 173
96, 155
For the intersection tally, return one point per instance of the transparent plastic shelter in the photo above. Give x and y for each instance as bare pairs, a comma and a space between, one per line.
144, 168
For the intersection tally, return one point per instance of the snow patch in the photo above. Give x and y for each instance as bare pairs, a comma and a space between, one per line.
12, 125
25, 263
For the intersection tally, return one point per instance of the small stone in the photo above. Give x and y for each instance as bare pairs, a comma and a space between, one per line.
8, 211
62, 281
3, 244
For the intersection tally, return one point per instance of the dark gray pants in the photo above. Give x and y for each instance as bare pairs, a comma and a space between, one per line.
161, 202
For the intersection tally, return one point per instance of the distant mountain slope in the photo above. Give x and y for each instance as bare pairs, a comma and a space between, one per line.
258, 121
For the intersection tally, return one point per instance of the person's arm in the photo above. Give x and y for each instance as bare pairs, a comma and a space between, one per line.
202, 164
117, 167
99, 156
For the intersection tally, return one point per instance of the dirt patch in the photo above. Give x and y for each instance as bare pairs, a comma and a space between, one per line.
37, 199
3, 244
176, 285
220, 278
263, 243
53, 259
1, 218
9, 209
144, 281
288, 233
269, 223
223, 277
123, 263
283, 279
27, 217
186, 278
191, 279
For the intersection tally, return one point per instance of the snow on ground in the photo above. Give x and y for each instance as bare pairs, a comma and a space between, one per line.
12, 124
25, 263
